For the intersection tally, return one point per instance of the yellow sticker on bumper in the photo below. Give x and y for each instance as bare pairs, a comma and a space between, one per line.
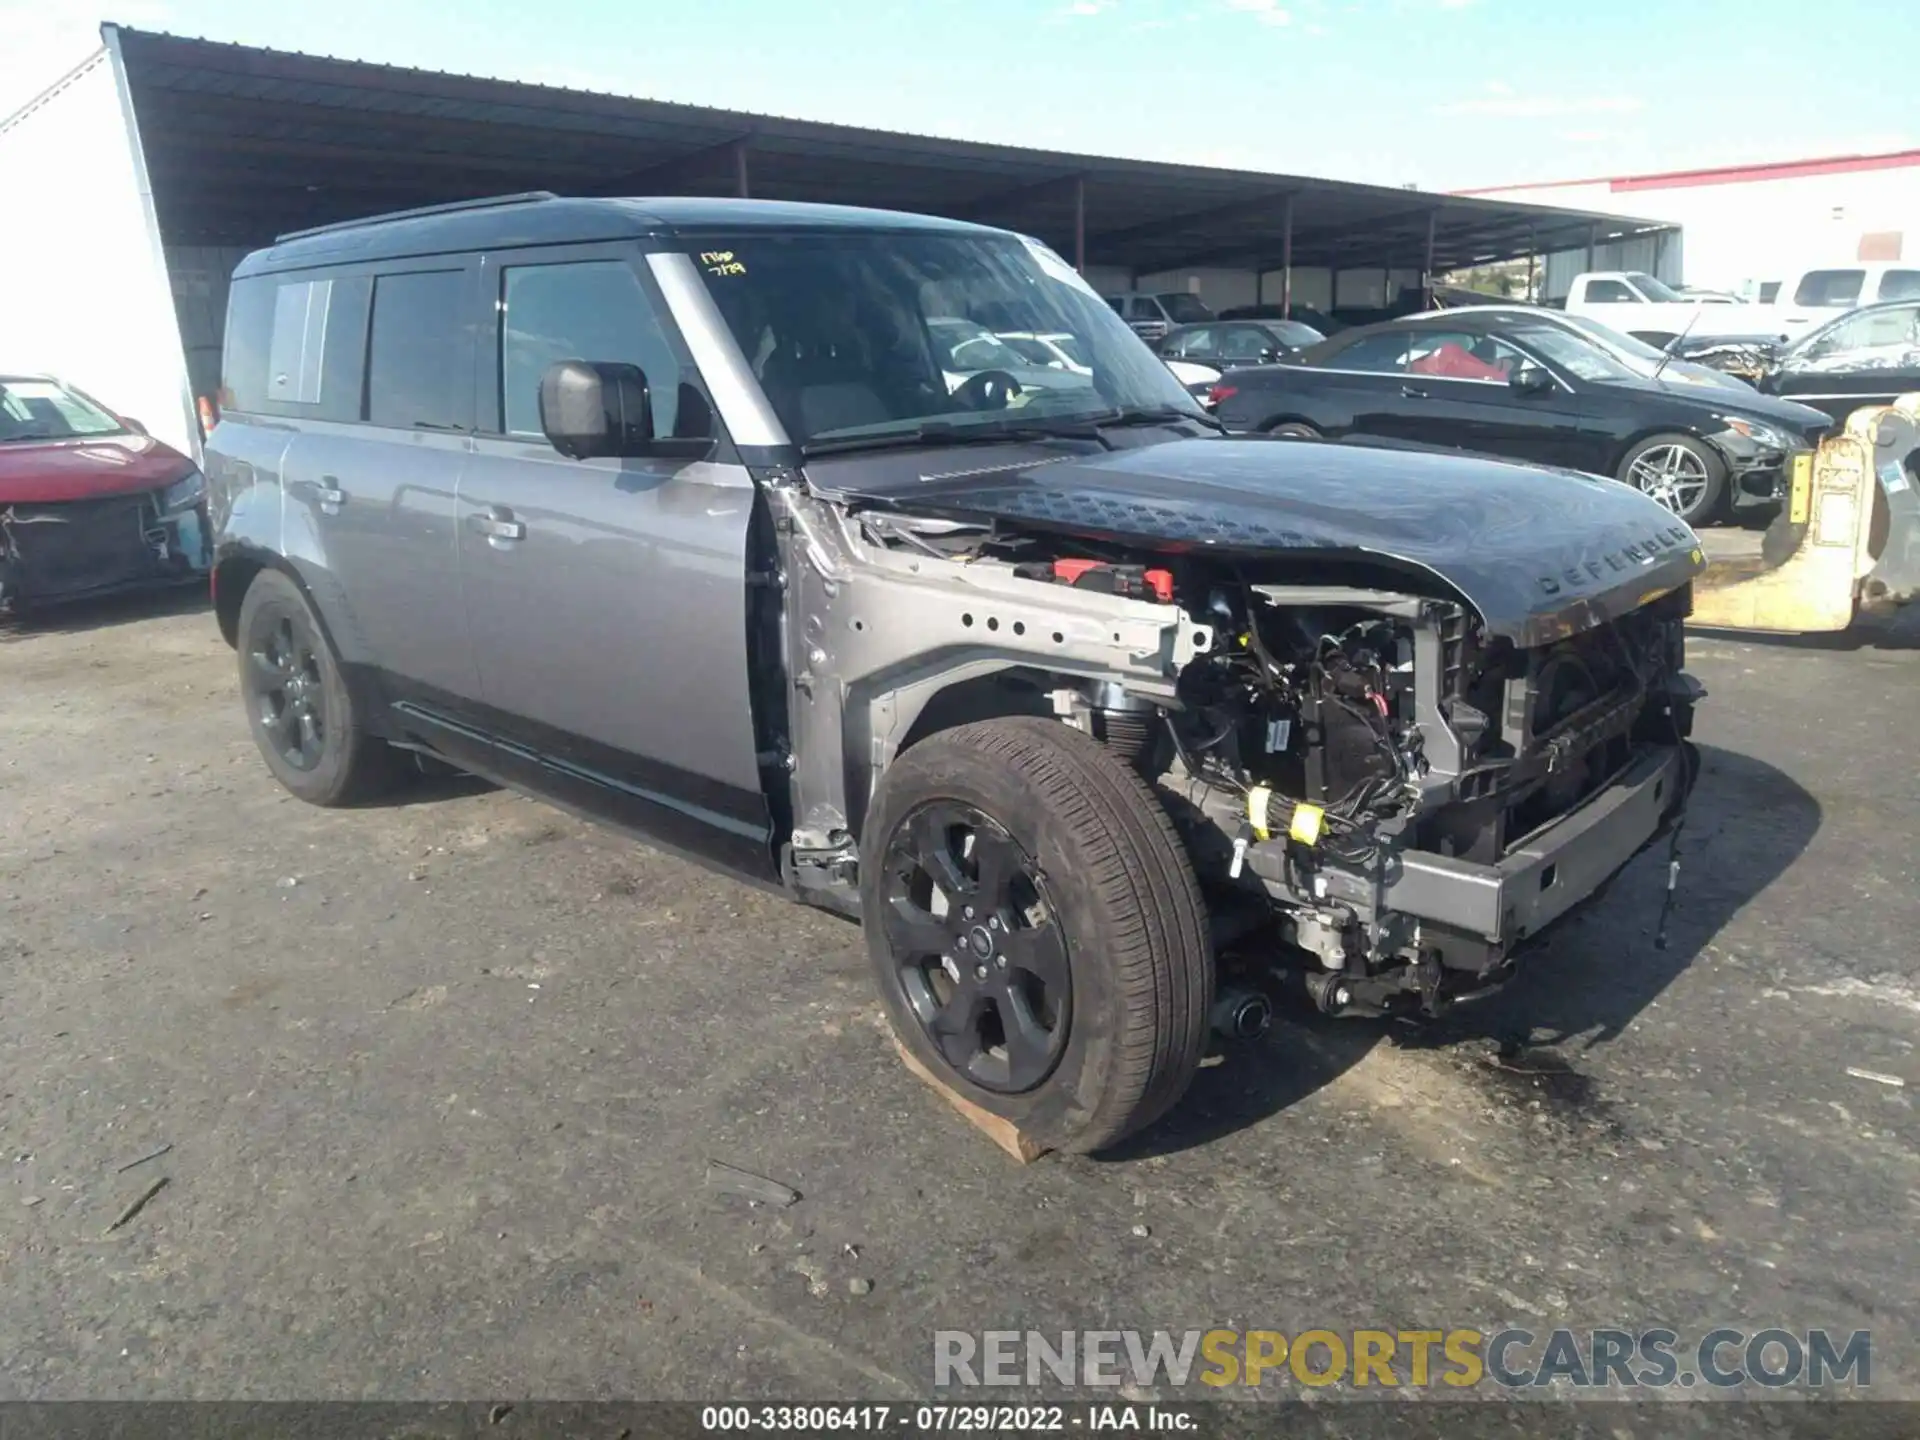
1800, 503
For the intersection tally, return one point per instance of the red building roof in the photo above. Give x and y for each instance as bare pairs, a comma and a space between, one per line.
1724, 175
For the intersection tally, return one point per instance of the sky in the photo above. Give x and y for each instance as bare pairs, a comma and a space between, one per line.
1443, 94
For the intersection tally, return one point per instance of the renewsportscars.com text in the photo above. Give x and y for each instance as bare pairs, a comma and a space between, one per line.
1655, 1358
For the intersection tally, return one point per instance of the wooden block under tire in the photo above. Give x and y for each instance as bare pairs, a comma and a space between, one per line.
1003, 1133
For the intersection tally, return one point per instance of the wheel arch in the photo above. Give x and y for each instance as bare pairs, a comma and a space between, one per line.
234, 570
1690, 429
882, 725
1271, 423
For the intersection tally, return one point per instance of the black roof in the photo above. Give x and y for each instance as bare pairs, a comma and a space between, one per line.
243, 143
541, 218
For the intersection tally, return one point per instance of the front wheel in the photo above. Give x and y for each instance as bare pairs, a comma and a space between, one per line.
1036, 930
1680, 472
1294, 430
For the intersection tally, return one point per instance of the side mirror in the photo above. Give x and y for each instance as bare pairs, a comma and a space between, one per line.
134, 425
1530, 380
592, 408
1271, 355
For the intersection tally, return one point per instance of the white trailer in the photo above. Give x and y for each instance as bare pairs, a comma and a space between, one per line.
88, 296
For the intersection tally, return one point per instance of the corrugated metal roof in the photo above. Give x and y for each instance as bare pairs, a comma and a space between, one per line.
243, 143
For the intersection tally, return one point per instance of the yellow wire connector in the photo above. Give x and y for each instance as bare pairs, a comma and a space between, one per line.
1306, 824
1257, 800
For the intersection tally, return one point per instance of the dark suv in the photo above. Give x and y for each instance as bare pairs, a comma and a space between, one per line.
678, 512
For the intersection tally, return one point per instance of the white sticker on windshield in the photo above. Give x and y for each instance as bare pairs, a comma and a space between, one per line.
1053, 265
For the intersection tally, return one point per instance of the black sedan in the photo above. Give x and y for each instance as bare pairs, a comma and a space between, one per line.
1230, 344
1864, 357
1528, 390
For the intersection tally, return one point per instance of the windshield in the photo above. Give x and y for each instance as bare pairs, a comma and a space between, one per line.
1654, 289
1574, 353
1624, 347
1184, 309
42, 410
855, 335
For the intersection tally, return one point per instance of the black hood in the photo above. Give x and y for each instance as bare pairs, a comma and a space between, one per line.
1539, 553
1701, 401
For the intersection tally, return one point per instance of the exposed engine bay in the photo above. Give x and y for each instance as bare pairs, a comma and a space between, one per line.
1375, 794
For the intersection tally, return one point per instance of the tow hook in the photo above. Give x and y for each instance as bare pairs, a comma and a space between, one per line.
1242, 1014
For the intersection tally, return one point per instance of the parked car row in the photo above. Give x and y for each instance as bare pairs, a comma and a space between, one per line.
1640, 305
93, 504
1527, 385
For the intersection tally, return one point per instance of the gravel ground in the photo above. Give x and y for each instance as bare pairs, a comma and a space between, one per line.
442, 1081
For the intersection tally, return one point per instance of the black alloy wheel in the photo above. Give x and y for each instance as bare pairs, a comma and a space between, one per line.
981, 955
1035, 929
303, 715
289, 694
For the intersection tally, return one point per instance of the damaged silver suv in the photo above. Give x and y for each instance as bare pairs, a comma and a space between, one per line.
684, 514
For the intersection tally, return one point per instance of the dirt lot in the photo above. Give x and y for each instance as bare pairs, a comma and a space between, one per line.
441, 1082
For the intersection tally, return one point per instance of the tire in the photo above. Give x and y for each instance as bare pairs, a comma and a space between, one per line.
1078, 871
288, 670
1294, 430
1696, 476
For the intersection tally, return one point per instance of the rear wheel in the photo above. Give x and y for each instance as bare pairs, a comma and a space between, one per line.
1680, 472
1036, 930
302, 715
1294, 430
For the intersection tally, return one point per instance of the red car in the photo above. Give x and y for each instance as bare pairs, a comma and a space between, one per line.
89, 502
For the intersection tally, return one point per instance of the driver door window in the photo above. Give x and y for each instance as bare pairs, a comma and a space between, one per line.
588, 310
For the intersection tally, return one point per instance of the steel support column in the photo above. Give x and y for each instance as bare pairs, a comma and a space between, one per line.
1286, 260
1080, 223
1426, 268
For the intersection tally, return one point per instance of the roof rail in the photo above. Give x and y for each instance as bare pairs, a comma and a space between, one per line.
525, 197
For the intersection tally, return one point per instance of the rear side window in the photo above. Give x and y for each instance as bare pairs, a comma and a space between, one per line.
1195, 344
1769, 291
295, 346
1829, 287
588, 310
1900, 285
299, 340
1375, 354
1246, 342
420, 354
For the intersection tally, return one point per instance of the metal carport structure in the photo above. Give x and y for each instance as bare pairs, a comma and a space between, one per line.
229, 145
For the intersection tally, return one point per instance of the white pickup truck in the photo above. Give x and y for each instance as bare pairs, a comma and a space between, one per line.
1636, 304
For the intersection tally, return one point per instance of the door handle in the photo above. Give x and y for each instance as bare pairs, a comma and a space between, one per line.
496, 522
1412, 392
332, 497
